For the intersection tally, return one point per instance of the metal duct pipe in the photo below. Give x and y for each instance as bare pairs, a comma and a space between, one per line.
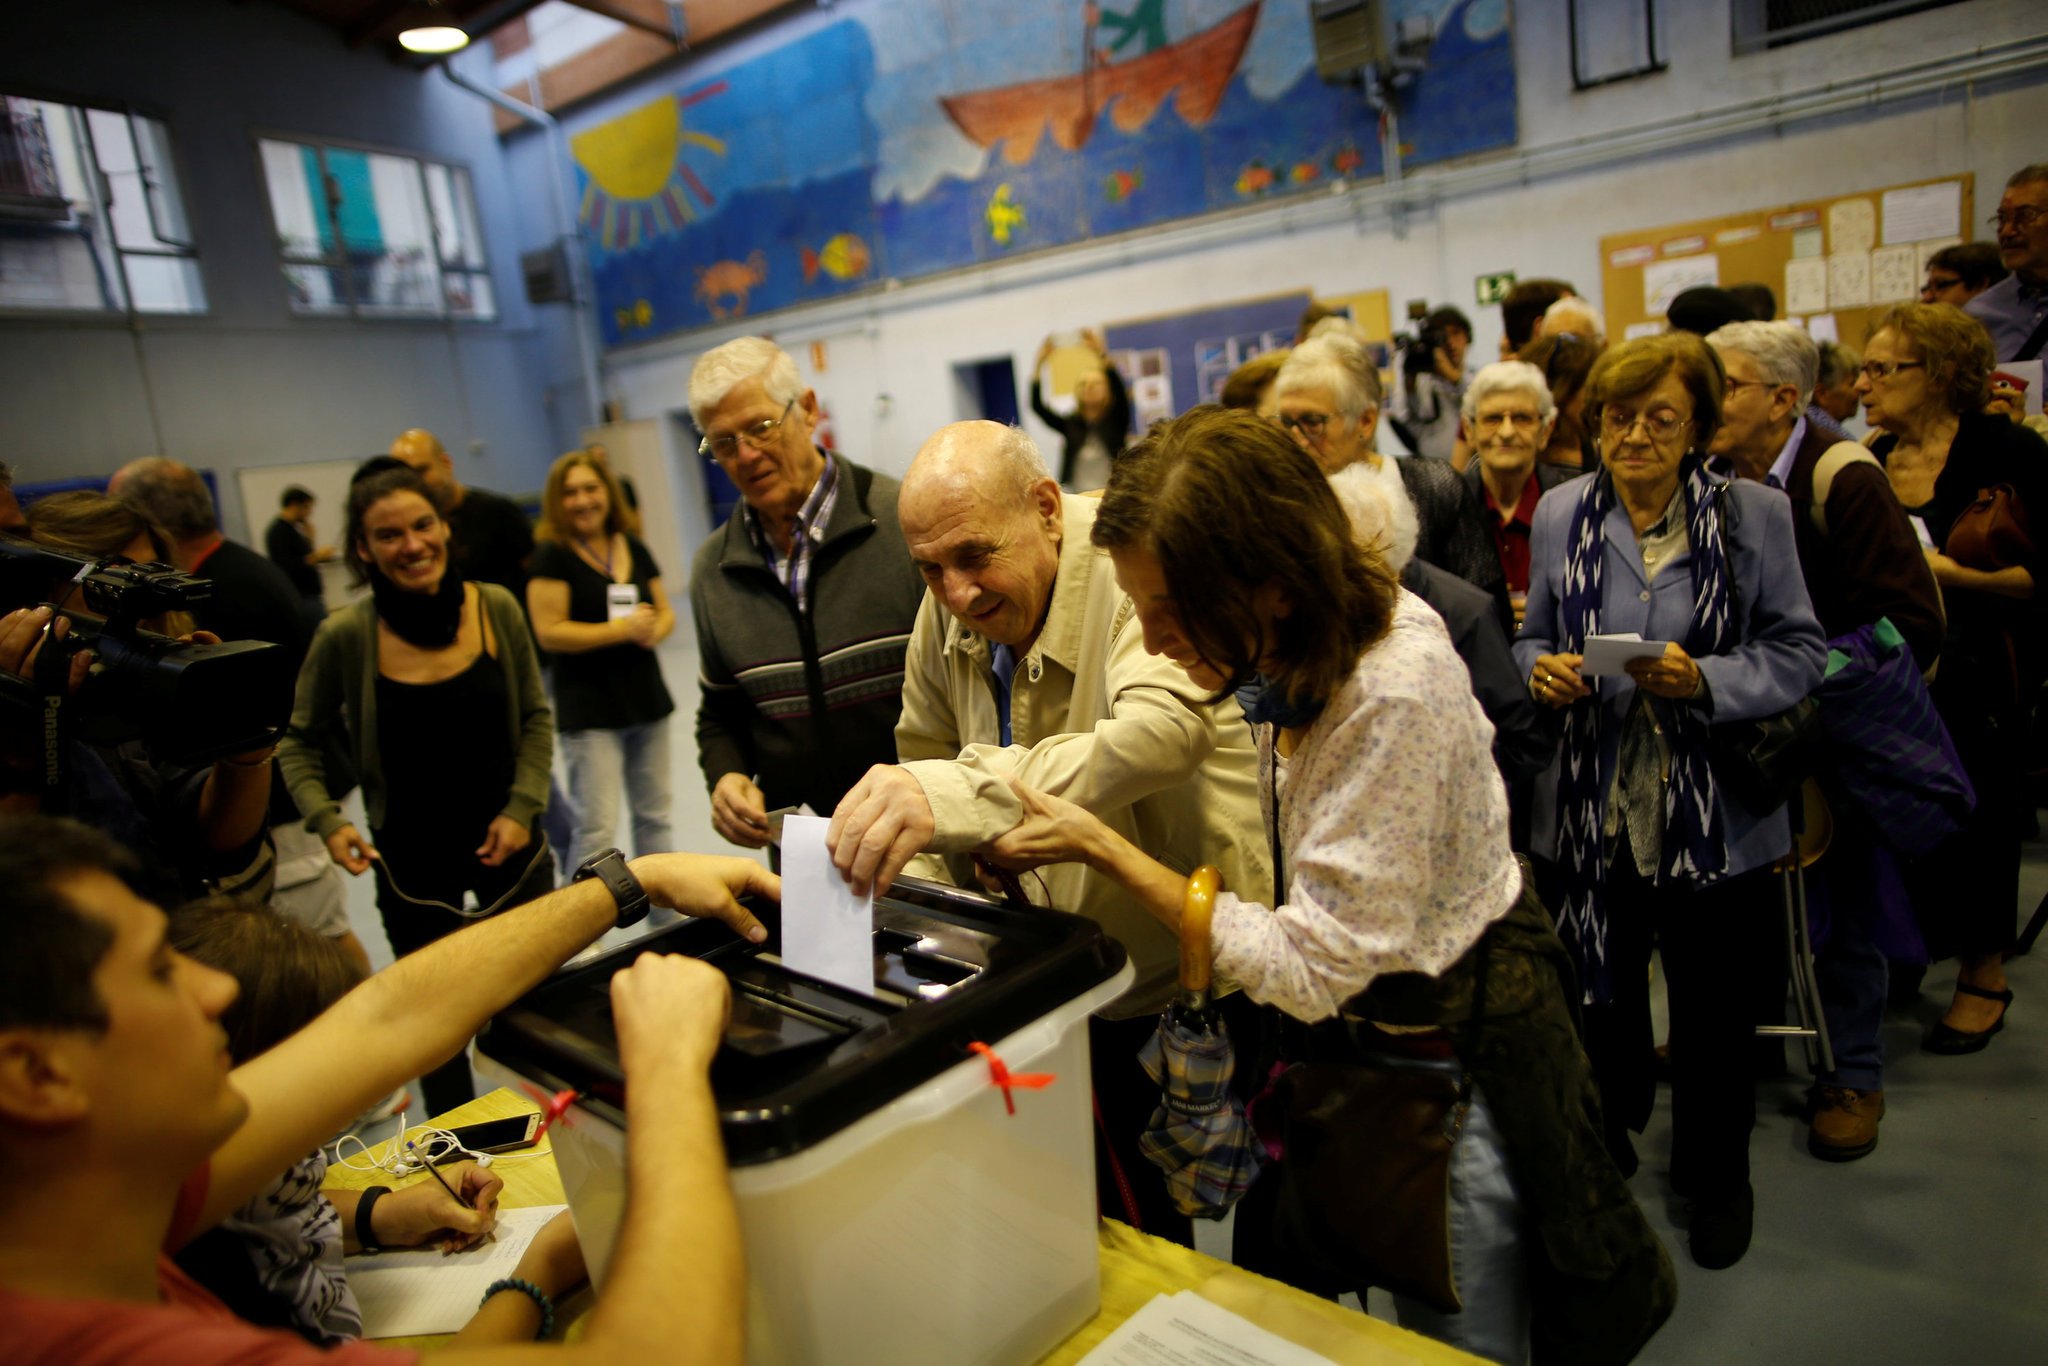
580, 295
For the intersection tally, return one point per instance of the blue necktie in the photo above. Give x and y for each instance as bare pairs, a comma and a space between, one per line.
1003, 664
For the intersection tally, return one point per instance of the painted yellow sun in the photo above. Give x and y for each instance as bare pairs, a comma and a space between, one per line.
641, 184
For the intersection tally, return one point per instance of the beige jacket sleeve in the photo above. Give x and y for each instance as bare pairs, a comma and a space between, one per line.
1126, 727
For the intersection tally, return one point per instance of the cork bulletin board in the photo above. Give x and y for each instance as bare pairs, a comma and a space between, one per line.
1835, 264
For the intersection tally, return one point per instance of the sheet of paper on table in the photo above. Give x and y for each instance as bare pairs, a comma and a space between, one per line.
407, 1294
1187, 1330
1611, 654
827, 931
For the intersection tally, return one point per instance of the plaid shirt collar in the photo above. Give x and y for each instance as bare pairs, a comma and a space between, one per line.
811, 519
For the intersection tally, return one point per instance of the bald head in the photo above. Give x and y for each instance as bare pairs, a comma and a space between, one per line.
170, 494
423, 452
981, 516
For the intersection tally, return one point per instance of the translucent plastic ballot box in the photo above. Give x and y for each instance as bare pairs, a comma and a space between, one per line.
898, 1204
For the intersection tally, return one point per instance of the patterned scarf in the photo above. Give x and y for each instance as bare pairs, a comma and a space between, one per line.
1694, 849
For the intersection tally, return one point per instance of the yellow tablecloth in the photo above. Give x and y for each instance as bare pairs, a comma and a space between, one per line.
1135, 1267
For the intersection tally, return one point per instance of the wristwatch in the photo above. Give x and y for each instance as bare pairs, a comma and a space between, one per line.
610, 868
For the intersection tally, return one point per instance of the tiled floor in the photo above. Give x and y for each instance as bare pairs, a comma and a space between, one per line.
1932, 1249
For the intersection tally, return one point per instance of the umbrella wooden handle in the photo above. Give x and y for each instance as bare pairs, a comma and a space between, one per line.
1197, 905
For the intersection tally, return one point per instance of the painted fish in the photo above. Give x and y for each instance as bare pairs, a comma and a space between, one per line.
1256, 178
1303, 172
1004, 214
1347, 161
1121, 185
845, 257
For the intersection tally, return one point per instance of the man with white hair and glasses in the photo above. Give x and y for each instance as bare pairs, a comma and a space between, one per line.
1861, 561
803, 600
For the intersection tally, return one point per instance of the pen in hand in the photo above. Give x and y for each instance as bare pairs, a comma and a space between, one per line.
433, 1171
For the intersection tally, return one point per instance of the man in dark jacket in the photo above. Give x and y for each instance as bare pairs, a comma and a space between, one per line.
803, 600
1864, 565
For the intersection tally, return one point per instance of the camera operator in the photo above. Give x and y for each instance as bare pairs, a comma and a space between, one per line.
202, 826
252, 600
1433, 383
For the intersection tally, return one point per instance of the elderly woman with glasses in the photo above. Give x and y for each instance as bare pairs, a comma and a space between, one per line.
1648, 844
1925, 376
1328, 397
1510, 413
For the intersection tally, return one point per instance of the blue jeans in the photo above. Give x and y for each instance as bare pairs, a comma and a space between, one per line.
1489, 1252
601, 763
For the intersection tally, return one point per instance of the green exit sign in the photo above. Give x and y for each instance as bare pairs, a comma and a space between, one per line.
1491, 289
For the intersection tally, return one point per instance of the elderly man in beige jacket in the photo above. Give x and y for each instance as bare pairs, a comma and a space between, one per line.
1027, 659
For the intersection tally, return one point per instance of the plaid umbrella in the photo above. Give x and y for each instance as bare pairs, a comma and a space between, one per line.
1199, 1135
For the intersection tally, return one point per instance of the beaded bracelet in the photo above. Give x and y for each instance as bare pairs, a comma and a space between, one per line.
526, 1287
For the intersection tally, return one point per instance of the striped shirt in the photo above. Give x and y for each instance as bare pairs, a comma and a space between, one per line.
795, 569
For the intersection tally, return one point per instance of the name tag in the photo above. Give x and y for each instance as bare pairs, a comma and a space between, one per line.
620, 599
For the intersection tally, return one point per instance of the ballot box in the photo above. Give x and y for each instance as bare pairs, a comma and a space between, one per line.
898, 1204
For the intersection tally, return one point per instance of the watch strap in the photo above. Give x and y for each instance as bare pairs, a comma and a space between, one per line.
366, 1237
609, 867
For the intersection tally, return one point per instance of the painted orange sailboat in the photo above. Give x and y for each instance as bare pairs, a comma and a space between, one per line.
1195, 71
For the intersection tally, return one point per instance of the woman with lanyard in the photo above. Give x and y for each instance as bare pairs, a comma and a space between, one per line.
1404, 933
1647, 839
598, 608
432, 684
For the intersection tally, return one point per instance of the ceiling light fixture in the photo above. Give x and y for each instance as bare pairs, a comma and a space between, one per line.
435, 39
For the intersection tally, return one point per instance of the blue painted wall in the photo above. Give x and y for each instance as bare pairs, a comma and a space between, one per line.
827, 164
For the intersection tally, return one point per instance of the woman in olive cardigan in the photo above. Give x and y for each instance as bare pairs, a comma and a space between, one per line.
432, 686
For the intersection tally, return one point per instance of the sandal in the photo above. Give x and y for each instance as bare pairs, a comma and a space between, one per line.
1950, 1042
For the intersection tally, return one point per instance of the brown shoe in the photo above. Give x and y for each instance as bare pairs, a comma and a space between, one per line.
1844, 1124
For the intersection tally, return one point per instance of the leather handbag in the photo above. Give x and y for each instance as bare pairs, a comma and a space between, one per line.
1992, 532
1365, 1177
1762, 762
1365, 1189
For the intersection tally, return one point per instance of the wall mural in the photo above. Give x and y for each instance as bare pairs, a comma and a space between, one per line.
914, 136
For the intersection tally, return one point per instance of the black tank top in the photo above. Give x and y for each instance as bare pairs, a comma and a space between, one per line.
448, 764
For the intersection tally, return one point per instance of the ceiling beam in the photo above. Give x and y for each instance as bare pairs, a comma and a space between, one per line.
373, 20
650, 16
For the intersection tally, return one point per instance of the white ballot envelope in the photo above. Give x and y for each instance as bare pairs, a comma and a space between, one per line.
1611, 654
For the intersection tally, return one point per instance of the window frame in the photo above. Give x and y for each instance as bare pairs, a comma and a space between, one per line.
100, 199
1747, 34
354, 308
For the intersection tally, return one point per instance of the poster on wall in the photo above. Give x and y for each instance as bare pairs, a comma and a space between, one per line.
894, 139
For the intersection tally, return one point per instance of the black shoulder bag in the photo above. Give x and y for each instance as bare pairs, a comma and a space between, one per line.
1762, 761
1365, 1188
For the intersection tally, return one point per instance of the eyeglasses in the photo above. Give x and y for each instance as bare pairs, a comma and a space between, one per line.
1619, 422
1731, 385
1493, 422
1885, 369
1310, 424
1937, 283
2022, 218
726, 446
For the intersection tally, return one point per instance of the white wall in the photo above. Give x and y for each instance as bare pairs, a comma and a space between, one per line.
247, 383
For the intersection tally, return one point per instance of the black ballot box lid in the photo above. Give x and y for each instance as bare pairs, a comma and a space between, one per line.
803, 1058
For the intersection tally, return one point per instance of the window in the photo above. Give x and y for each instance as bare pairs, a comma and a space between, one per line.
1761, 24
1614, 40
375, 234
91, 219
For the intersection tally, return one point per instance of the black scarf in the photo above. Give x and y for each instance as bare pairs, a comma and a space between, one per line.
428, 620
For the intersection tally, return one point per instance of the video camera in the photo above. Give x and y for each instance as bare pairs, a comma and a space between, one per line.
187, 703
1420, 343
